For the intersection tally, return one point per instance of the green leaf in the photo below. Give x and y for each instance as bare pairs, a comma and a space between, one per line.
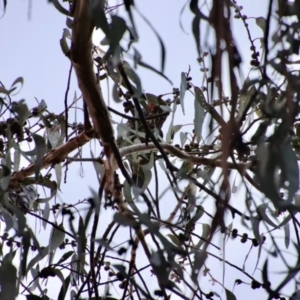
161, 43
196, 22
59, 274
33, 297
123, 220
39, 150
81, 241
287, 237
64, 289
261, 211
49, 184
265, 276
229, 295
265, 172
7, 218
58, 174
21, 109
147, 66
65, 256
199, 260
246, 101
199, 112
26, 245
42, 253
8, 277
204, 236
127, 192
183, 87
170, 130
261, 23
134, 78
174, 239
60, 8
183, 138
146, 180
5, 175
173, 130
117, 30
290, 170
17, 158
186, 168
69, 23
255, 227
115, 93
63, 42
13, 87
57, 237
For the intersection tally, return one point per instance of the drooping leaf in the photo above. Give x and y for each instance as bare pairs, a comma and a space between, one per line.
8, 277
60, 8
186, 168
21, 109
261, 211
118, 27
180, 15
51, 184
18, 81
265, 172
17, 158
123, 220
26, 245
287, 237
261, 23
196, 22
33, 297
199, 113
170, 130
289, 169
57, 237
81, 241
146, 180
199, 260
183, 138
115, 93
59, 274
132, 75
8, 219
64, 289
147, 66
5, 174
42, 253
246, 100
63, 42
39, 150
58, 174
161, 43
65, 256
183, 88
98, 15
229, 295
75, 267
205, 234
174, 239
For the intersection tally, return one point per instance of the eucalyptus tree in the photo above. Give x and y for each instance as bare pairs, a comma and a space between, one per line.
238, 163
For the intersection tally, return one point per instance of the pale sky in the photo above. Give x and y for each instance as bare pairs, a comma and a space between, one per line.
30, 48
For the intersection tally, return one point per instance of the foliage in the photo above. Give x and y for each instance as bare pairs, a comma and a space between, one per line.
245, 144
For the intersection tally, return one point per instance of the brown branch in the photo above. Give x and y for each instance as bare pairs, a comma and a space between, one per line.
81, 55
53, 157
